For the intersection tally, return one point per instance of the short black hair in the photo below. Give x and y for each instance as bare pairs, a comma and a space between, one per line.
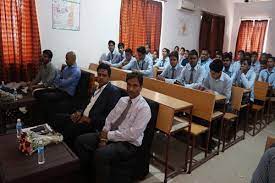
167, 50
268, 55
142, 50
177, 47
137, 75
219, 52
182, 48
49, 53
227, 55
247, 60
104, 67
129, 50
111, 42
194, 52
174, 54
241, 51
254, 53
216, 65
247, 55
273, 58
204, 49
187, 51
121, 45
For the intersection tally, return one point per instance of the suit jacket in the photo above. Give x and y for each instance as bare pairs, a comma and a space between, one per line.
103, 106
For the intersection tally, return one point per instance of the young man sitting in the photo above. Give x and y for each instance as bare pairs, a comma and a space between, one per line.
268, 75
192, 75
143, 63
205, 61
113, 56
228, 66
218, 82
164, 62
255, 64
173, 70
121, 136
246, 77
128, 58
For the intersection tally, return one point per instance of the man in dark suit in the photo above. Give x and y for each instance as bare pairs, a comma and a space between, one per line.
92, 117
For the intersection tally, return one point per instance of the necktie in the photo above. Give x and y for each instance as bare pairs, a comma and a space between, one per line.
173, 72
122, 117
267, 78
162, 63
191, 76
141, 68
112, 56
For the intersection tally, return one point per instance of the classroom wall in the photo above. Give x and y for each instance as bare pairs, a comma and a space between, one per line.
99, 22
253, 9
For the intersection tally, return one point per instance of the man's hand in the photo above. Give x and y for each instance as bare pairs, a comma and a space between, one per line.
161, 78
84, 119
102, 144
75, 117
178, 83
103, 139
210, 91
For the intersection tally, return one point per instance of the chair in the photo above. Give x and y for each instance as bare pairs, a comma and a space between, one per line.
93, 66
269, 142
260, 93
233, 117
137, 167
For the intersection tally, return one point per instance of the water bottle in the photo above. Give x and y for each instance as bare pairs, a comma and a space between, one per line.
40, 153
15, 93
18, 128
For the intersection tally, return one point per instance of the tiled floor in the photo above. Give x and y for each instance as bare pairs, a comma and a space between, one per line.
235, 165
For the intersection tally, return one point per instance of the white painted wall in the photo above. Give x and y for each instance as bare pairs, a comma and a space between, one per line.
99, 22
255, 9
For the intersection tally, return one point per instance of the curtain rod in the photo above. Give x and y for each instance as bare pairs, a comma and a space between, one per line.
256, 18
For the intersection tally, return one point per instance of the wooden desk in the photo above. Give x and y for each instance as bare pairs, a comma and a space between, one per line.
167, 108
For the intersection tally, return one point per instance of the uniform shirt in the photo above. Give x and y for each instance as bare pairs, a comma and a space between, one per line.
256, 67
123, 62
112, 57
168, 73
46, 74
267, 76
144, 66
198, 74
133, 126
246, 81
68, 79
221, 86
229, 71
205, 65
236, 66
93, 100
162, 63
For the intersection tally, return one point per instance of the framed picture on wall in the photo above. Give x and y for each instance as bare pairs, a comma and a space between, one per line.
66, 14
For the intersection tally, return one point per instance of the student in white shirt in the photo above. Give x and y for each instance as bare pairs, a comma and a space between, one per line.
205, 61
173, 70
164, 61
268, 75
148, 51
255, 63
237, 63
113, 56
121, 51
246, 77
122, 134
128, 58
192, 75
155, 56
228, 66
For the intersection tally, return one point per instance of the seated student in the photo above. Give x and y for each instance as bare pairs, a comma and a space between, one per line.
217, 81
113, 56
268, 75
121, 51
128, 58
142, 64
92, 116
237, 64
219, 55
205, 61
228, 66
65, 82
155, 56
246, 77
192, 75
181, 54
265, 171
121, 136
263, 57
177, 48
185, 61
46, 74
164, 62
148, 51
173, 70
255, 63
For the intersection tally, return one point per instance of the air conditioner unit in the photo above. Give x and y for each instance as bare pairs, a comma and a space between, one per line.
187, 5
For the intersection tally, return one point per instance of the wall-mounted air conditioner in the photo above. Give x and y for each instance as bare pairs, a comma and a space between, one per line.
187, 5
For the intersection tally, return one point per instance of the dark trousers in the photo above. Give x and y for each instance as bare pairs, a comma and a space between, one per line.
100, 160
70, 130
48, 99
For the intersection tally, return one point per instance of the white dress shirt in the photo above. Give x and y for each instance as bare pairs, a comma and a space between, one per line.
133, 126
94, 98
198, 74
168, 72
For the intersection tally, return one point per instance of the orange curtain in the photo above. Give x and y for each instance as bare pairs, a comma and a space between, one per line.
19, 39
258, 36
140, 23
251, 36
